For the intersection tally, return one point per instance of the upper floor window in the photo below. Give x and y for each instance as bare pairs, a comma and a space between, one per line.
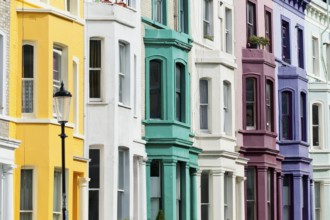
26, 194
316, 125
124, 74
28, 79
317, 200
94, 184
251, 19
315, 56
208, 19
123, 195
269, 106
300, 47
57, 70
205, 201
227, 108
203, 102
229, 30
286, 115
286, 56
303, 120
159, 11
180, 92
155, 94
287, 197
250, 103
183, 16
95, 58
251, 193
72, 7
268, 29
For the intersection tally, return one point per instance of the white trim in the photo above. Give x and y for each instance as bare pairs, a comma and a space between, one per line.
46, 8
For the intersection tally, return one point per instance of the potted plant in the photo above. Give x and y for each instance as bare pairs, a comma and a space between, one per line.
121, 3
255, 42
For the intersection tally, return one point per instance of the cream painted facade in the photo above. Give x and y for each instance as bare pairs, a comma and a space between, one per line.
113, 111
317, 46
46, 47
213, 112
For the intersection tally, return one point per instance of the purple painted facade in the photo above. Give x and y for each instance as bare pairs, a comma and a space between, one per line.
259, 142
292, 109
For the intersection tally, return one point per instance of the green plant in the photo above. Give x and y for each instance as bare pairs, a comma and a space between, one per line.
255, 41
160, 215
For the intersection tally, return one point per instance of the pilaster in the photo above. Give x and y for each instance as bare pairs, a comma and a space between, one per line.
194, 192
142, 195
233, 197
216, 195
240, 211
186, 193
83, 185
169, 183
297, 190
8, 193
262, 192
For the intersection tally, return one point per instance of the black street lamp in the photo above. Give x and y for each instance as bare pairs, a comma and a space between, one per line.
62, 100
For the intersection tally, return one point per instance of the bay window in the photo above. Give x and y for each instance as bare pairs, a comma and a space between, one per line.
250, 103
95, 57
269, 106
180, 92
28, 79
287, 129
316, 125
155, 85
203, 102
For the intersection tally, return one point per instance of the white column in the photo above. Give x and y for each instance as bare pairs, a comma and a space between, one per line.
233, 197
240, 211
8, 193
198, 193
217, 189
83, 185
142, 185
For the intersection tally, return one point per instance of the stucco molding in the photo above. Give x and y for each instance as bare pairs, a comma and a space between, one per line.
50, 10
9, 143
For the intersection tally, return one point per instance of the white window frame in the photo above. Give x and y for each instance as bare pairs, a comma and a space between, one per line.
34, 191
208, 19
204, 104
72, 7
125, 190
227, 108
319, 125
31, 114
315, 56
228, 30
63, 52
57, 213
124, 74
75, 76
96, 99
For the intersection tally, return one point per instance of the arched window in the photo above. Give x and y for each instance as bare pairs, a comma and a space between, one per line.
203, 104
180, 92
250, 103
28, 79
155, 104
287, 115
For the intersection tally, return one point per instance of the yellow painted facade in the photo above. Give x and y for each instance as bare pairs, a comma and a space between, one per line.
40, 147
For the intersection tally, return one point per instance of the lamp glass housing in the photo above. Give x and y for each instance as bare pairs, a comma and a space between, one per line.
62, 100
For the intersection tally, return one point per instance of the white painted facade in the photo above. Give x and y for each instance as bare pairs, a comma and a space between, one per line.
113, 121
318, 68
213, 60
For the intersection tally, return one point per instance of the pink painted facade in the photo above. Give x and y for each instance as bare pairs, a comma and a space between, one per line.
256, 113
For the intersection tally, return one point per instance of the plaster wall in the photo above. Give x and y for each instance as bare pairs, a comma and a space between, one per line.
111, 125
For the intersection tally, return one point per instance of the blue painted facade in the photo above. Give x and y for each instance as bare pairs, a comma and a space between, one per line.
292, 109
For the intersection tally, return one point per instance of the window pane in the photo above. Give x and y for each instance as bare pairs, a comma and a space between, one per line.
57, 191
317, 188
269, 106
94, 83
28, 55
93, 205
95, 53
250, 88
286, 115
179, 92
26, 190
121, 169
250, 183
122, 60
205, 187
27, 96
155, 89
316, 135
250, 102
94, 168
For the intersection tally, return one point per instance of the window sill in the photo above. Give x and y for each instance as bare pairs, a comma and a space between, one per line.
124, 106
153, 23
97, 103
